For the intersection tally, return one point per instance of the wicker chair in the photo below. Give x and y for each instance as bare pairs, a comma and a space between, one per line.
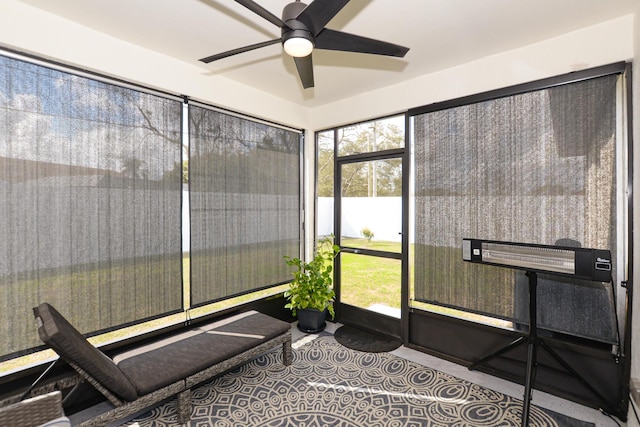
44, 410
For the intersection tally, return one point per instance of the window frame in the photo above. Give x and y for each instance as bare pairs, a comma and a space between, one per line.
623, 177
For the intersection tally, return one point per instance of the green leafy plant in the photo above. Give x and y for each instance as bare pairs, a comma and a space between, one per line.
312, 284
367, 233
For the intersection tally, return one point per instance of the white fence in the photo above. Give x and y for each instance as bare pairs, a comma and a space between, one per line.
381, 215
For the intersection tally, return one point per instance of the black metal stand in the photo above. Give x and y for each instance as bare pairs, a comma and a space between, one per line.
533, 343
33, 384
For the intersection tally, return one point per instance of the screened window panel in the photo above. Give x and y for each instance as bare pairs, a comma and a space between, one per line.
90, 202
244, 182
368, 137
537, 167
325, 175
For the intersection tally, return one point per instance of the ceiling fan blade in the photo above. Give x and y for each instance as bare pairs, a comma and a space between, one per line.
319, 13
337, 40
215, 57
261, 11
305, 70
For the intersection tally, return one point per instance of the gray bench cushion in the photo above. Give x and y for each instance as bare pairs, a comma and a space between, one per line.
61, 336
165, 361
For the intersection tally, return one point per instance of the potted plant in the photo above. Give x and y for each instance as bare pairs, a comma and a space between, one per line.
311, 295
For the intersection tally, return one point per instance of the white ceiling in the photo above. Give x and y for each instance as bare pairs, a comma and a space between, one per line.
439, 33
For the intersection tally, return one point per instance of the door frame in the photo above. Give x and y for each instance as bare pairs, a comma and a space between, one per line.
357, 316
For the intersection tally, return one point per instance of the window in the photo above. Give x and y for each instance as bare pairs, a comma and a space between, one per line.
538, 166
244, 180
93, 174
90, 191
325, 160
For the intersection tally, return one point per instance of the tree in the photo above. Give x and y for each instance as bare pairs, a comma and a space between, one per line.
379, 178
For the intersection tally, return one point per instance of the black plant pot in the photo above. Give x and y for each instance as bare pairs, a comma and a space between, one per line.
311, 320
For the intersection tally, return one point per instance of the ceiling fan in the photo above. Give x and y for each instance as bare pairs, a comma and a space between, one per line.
303, 29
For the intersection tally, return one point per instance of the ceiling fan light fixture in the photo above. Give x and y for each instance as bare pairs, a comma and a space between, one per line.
298, 46
301, 26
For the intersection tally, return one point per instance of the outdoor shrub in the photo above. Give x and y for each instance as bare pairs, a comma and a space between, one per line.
367, 233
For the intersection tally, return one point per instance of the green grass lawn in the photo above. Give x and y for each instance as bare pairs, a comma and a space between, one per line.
368, 280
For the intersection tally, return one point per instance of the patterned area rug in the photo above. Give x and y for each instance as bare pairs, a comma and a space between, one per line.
331, 385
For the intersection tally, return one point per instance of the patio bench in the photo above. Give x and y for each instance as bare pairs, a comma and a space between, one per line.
143, 376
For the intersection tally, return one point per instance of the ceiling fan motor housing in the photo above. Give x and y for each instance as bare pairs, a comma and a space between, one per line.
294, 28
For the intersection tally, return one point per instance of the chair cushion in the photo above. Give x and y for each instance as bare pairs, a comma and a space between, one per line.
165, 361
61, 336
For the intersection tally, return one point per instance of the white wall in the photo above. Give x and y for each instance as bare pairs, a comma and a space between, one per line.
602, 44
635, 304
